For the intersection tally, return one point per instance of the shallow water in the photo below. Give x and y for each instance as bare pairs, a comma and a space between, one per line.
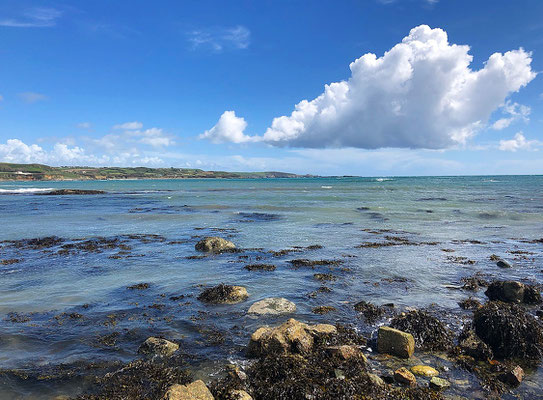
474, 216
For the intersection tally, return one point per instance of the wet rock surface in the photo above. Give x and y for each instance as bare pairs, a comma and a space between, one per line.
196, 390
395, 342
154, 346
272, 305
66, 192
215, 244
224, 294
513, 292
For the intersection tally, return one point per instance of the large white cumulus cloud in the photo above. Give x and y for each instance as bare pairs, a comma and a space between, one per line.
420, 94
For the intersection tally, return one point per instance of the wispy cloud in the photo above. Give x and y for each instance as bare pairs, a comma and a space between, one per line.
33, 18
32, 97
129, 125
219, 39
84, 125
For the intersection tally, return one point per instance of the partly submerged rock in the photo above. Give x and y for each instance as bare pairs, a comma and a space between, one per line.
215, 244
64, 192
424, 370
513, 292
158, 346
403, 376
290, 337
439, 383
345, 352
395, 342
196, 390
509, 331
429, 332
370, 311
272, 305
513, 377
224, 294
471, 345
503, 264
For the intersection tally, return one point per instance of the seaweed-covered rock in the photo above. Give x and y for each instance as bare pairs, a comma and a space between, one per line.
154, 345
196, 390
290, 337
509, 331
240, 395
430, 333
66, 192
469, 344
214, 244
224, 294
272, 305
513, 292
344, 352
470, 304
395, 342
139, 380
370, 311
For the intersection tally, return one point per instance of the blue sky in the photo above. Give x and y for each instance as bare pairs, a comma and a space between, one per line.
213, 85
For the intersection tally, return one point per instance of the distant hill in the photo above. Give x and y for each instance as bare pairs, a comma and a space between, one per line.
39, 172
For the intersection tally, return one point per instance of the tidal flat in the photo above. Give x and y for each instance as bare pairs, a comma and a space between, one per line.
107, 294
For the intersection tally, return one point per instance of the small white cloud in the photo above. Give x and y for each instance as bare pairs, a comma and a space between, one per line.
229, 128
422, 93
129, 126
218, 39
84, 125
32, 97
515, 111
519, 142
34, 18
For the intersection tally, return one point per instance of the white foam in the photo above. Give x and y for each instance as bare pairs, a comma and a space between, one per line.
383, 179
25, 190
326, 187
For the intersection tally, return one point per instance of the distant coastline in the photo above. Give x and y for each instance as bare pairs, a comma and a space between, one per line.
40, 172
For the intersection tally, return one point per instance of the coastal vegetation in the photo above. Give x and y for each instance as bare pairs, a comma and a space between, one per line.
40, 172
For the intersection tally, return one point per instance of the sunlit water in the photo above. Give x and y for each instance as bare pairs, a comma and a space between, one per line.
474, 216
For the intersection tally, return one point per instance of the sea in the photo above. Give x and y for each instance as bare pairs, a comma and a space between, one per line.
70, 299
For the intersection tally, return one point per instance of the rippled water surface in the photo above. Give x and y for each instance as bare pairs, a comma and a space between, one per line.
68, 302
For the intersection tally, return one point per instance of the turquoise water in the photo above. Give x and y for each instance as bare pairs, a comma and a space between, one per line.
474, 216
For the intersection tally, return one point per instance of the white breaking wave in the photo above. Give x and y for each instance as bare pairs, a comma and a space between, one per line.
25, 190
326, 187
383, 179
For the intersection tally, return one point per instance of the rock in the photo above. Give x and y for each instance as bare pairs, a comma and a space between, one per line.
345, 352
240, 395
370, 311
290, 337
503, 264
154, 345
424, 370
470, 304
395, 342
470, 345
65, 192
509, 331
214, 245
513, 377
196, 390
403, 376
272, 305
513, 292
430, 333
439, 383
376, 380
224, 294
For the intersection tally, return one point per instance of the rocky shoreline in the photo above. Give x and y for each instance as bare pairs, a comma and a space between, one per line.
408, 354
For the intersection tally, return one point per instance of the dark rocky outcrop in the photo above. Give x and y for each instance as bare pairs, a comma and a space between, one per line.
513, 292
215, 244
224, 294
430, 333
509, 331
